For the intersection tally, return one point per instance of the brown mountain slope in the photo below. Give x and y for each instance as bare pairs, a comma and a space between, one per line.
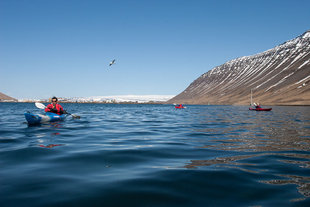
4, 97
279, 76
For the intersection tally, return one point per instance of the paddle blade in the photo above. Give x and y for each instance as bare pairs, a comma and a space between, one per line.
75, 116
40, 105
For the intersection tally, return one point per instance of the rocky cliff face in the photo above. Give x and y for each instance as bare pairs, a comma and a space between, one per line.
279, 76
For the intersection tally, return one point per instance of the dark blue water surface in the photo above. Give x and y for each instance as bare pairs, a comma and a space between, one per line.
156, 155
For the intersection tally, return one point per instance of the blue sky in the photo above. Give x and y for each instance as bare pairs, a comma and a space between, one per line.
63, 47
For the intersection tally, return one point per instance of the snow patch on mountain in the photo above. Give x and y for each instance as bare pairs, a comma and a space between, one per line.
271, 74
123, 98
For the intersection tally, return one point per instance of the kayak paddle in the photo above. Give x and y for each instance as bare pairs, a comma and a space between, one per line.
42, 106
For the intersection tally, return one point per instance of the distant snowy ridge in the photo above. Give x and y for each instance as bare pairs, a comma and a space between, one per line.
109, 99
123, 98
272, 75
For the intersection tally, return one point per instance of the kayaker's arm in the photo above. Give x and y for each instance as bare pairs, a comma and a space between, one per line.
63, 112
48, 108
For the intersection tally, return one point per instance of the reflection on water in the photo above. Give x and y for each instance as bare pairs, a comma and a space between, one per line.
45, 134
50, 145
240, 163
302, 182
275, 143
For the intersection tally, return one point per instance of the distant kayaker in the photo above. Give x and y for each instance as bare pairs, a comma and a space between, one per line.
55, 107
257, 105
179, 106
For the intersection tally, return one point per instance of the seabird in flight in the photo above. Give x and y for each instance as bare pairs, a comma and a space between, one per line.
112, 62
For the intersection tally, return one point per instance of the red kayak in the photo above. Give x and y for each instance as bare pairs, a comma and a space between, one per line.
260, 109
179, 106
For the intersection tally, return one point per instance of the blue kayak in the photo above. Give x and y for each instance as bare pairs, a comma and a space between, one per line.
33, 119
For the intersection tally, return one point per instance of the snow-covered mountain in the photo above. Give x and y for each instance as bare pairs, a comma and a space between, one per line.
122, 98
278, 76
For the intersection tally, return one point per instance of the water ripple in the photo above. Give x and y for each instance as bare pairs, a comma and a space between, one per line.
155, 155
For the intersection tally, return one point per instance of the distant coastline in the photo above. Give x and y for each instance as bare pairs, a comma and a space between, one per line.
120, 99
143, 103
93, 102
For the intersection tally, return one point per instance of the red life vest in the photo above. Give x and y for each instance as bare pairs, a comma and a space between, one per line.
58, 108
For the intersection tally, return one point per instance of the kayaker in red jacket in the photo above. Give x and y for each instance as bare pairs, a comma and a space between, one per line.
55, 107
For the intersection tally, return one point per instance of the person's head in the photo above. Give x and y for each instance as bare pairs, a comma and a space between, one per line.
54, 99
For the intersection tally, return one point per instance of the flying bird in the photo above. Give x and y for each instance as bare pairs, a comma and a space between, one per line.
112, 62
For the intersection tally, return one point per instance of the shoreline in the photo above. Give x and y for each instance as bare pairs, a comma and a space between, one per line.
149, 103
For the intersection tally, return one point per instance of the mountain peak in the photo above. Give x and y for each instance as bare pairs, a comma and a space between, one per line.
306, 34
278, 76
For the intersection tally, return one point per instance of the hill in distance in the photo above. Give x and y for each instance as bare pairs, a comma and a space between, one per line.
5, 98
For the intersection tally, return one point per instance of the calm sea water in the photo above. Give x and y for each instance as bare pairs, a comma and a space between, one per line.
155, 155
